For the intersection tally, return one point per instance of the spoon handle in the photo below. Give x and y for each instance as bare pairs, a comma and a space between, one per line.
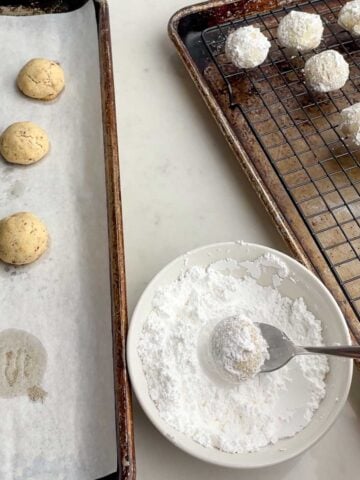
339, 351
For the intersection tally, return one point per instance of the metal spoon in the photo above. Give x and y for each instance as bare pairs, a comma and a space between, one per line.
282, 349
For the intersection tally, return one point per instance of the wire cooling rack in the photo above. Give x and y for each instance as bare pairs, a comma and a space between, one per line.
298, 131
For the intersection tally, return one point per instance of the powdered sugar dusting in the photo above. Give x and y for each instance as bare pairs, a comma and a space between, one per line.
350, 123
247, 47
300, 31
234, 418
319, 71
269, 260
238, 348
349, 17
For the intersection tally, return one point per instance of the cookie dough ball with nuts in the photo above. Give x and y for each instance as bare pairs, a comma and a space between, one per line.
24, 143
247, 47
349, 17
23, 238
41, 79
327, 71
300, 31
238, 348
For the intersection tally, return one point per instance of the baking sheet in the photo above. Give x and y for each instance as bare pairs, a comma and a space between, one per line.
187, 29
64, 298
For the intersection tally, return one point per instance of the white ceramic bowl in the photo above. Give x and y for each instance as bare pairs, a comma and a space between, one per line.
318, 300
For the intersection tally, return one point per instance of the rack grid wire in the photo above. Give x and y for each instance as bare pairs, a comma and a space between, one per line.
298, 130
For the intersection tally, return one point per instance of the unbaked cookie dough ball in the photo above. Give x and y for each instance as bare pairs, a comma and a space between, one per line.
24, 143
300, 31
41, 79
23, 238
349, 17
238, 348
247, 47
327, 71
350, 123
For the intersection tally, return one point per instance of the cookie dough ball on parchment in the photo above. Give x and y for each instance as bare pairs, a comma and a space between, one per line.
24, 143
23, 238
41, 79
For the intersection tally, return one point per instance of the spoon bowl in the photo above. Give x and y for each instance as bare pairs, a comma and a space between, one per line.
281, 349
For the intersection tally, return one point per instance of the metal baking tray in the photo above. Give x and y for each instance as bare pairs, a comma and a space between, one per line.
124, 420
284, 137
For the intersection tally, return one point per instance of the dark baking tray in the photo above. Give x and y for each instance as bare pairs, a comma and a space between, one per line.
124, 419
284, 137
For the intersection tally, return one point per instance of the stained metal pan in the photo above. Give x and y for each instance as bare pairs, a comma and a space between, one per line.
124, 421
285, 138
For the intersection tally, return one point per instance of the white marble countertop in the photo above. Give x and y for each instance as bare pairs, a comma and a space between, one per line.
181, 189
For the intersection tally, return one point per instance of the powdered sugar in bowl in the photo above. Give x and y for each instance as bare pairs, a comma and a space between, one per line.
263, 420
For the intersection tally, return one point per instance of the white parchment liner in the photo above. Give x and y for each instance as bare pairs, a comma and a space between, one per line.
64, 298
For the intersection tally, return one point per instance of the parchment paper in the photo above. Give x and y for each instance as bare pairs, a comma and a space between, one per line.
64, 298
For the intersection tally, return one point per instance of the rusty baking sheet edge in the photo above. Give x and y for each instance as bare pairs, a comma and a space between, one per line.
123, 403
